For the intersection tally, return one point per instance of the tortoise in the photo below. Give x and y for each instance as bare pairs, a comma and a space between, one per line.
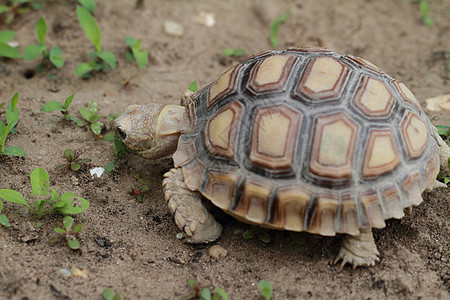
303, 139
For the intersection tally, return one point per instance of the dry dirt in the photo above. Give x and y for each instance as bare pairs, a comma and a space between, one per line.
131, 246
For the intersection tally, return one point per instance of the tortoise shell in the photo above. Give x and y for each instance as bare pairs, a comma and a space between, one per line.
308, 140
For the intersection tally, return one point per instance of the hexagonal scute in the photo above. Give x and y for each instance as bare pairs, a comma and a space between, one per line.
278, 122
271, 74
406, 94
381, 154
221, 130
224, 86
373, 98
414, 134
333, 146
323, 79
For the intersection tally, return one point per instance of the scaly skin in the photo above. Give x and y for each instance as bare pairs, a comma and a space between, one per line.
358, 250
187, 207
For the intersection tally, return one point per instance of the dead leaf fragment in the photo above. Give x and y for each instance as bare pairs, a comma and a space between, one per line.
205, 18
217, 252
79, 272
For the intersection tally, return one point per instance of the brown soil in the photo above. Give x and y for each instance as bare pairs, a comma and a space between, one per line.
131, 246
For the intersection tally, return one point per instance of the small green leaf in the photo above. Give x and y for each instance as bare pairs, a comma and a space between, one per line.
14, 151
86, 114
266, 289
32, 51
83, 160
77, 228
67, 222
8, 51
119, 147
39, 182
141, 57
193, 86
4, 8
83, 68
428, 21
41, 30
264, 237
109, 137
73, 243
108, 294
205, 294
129, 56
192, 282
75, 166
52, 106
68, 153
13, 196
4, 221
56, 57
109, 57
109, 167
90, 27
75, 120
69, 208
61, 167
424, 8
227, 52
97, 127
130, 41
7, 35
239, 52
68, 101
248, 234
53, 240
59, 230
89, 4
221, 293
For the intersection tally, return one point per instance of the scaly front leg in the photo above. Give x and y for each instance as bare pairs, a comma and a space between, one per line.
188, 209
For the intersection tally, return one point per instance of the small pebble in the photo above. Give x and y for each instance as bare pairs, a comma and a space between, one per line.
173, 28
74, 180
217, 252
79, 272
65, 272
97, 172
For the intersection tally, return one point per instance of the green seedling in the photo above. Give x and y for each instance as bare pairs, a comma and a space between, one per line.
45, 200
265, 287
68, 232
205, 292
73, 161
3, 219
7, 50
234, 53
89, 113
119, 148
108, 294
143, 187
100, 60
193, 87
15, 8
276, 27
90, 5
12, 117
63, 108
425, 12
135, 53
126, 81
260, 232
54, 56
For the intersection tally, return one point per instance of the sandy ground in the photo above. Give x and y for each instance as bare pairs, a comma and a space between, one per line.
131, 246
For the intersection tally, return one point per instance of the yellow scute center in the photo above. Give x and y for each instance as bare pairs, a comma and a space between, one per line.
334, 144
219, 129
273, 134
324, 74
383, 152
271, 69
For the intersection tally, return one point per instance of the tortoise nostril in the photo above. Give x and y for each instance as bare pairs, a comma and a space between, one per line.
122, 135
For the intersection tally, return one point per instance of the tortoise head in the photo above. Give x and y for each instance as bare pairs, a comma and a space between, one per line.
151, 130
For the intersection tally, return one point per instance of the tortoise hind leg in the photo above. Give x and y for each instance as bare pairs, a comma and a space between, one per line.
359, 250
189, 212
